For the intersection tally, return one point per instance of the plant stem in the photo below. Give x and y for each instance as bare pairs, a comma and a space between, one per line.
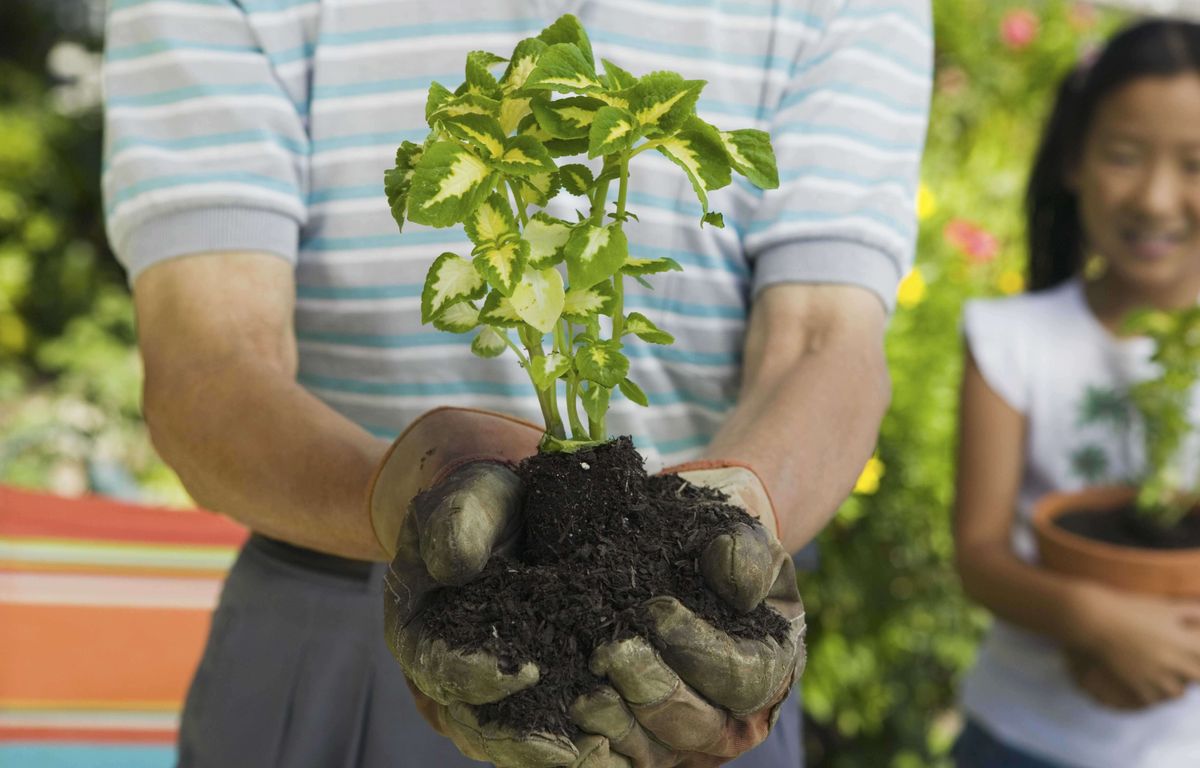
562, 342
520, 204
599, 200
618, 317
547, 398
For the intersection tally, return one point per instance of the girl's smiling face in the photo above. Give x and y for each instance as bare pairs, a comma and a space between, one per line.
1138, 183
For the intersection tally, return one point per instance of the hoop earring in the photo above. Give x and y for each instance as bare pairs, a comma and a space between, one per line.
1095, 267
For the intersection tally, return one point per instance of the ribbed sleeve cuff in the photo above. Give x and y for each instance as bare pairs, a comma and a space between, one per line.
840, 262
207, 230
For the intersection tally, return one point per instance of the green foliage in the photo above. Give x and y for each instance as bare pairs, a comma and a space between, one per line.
471, 171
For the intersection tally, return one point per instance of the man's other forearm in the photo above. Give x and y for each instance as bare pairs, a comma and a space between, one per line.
815, 391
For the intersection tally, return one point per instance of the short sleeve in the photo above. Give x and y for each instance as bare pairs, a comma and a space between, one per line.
993, 333
206, 144
848, 135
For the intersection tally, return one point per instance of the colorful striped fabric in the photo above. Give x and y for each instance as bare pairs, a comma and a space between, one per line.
104, 607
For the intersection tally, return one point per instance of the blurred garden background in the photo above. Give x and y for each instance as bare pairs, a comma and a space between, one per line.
889, 633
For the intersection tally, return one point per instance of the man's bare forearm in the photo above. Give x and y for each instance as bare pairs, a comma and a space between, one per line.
810, 408
249, 443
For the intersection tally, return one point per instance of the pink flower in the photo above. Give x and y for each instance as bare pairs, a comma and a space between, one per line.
979, 245
1019, 28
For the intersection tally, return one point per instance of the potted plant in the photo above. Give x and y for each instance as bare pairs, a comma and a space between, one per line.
601, 536
1144, 538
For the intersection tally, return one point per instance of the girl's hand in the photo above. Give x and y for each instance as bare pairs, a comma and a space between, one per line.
1140, 650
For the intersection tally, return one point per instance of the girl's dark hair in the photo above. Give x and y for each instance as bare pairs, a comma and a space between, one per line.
1157, 48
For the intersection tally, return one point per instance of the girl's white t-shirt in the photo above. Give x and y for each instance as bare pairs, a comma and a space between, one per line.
1052, 360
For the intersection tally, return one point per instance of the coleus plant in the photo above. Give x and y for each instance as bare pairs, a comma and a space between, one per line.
489, 163
1164, 404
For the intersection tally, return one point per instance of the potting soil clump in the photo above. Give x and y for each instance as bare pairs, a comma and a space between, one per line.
601, 537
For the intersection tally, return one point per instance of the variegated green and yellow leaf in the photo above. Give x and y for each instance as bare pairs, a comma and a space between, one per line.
595, 400
503, 265
698, 150
438, 96
524, 156
634, 266
398, 180
448, 183
594, 253
513, 109
482, 131
602, 362
498, 310
751, 155
480, 80
491, 221
563, 68
450, 279
662, 101
538, 298
568, 118
619, 99
538, 188
522, 63
618, 79
544, 370
633, 392
489, 343
567, 29
584, 303
576, 178
640, 326
459, 317
547, 236
467, 104
613, 130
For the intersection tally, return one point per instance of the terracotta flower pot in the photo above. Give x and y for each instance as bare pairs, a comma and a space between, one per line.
1161, 572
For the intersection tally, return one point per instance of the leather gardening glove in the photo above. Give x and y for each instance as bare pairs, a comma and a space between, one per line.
706, 696
442, 502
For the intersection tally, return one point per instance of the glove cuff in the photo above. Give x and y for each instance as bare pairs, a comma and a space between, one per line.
433, 446
756, 499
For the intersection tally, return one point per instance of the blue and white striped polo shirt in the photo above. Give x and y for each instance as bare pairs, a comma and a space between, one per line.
267, 125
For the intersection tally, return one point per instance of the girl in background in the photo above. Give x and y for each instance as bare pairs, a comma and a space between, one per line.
1074, 673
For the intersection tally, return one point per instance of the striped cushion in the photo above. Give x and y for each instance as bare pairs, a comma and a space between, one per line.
104, 608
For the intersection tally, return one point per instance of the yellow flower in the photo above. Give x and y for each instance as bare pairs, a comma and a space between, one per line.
868, 480
1010, 282
911, 290
926, 203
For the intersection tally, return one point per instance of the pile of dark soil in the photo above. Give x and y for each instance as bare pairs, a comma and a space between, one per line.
601, 538
1125, 528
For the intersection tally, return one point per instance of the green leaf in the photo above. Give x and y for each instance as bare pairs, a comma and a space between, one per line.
482, 131
498, 310
503, 265
567, 29
563, 68
715, 219
489, 343
451, 278
459, 317
751, 155
595, 400
491, 221
438, 96
397, 181
467, 104
640, 326
547, 236
698, 150
538, 188
576, 178
602, 362
513, 109
546, 369
566, 147
522, 63
568, 118
618, 79
633, 392
634, 266
613, 130
448, 183
538, 298
479, 79
595, 253
584, 303
662, 101
524, 156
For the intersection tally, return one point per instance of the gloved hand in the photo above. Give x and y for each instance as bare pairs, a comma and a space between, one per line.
443, 501
707, 696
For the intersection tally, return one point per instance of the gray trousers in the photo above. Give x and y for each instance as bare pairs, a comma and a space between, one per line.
296, 674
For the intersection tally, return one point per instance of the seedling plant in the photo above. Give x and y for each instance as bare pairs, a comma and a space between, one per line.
489, 163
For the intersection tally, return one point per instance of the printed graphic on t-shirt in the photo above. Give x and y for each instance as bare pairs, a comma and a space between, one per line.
1103, 417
